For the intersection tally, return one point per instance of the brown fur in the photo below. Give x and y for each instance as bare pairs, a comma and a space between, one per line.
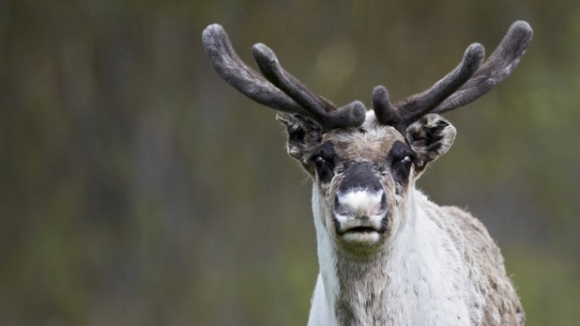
487, 271
357, 146
356, 272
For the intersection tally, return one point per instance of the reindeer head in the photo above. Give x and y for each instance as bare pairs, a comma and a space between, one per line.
365, 163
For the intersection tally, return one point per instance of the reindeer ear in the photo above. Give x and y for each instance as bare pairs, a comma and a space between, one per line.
430, 137
303, 136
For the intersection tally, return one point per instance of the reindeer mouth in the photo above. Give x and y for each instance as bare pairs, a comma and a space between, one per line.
361, 229
364, 236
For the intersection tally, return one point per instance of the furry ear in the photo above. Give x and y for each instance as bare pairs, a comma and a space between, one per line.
430, 137
303, 137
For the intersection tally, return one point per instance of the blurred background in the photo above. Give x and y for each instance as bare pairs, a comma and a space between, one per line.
138, 188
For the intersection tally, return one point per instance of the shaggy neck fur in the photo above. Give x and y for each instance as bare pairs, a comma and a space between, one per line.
416, 279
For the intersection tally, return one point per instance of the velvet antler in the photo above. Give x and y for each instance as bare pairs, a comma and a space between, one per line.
280, 90
466, 83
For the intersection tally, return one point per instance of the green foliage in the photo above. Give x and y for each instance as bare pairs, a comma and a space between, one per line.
548, 284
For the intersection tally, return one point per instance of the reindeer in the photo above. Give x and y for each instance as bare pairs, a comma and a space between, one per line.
387, 254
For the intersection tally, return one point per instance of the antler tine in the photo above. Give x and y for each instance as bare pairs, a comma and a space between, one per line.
231, 68
409, 110
325, 112
385, 112
500, 64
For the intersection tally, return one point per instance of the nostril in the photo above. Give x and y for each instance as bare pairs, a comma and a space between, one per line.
377, 209
341, 209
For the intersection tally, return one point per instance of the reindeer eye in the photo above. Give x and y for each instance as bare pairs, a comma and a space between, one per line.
407, 160
324, 160
319, 161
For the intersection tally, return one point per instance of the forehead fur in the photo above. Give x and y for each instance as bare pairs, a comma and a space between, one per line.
369, 142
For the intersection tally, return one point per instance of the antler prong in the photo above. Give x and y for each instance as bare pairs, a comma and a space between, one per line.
351, 115
385, 112
271, 69
418, 105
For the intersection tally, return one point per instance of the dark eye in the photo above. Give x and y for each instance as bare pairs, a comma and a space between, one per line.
319, 161
400, 158
407, 160
324, 160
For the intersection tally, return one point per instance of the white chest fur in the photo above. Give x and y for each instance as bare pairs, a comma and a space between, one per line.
418, 279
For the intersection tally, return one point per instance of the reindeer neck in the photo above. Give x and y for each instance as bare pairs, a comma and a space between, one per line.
406, 283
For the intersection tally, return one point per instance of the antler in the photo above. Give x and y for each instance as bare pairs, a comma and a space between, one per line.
463, 85
500, 64
416, 106
281, 91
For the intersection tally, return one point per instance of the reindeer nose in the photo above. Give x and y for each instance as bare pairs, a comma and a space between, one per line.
360, 204
360, 194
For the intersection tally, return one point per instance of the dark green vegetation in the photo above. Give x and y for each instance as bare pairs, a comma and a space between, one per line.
138, 188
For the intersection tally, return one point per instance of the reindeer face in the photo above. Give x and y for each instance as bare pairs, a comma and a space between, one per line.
363, 174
